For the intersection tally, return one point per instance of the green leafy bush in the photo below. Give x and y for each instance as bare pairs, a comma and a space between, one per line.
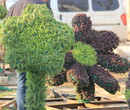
85, 54
42, 39
3, 12
36, 43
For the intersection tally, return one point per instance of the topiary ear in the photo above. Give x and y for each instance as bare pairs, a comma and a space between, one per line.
85, 54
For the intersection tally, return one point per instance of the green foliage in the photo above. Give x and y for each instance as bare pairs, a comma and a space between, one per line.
40, 42
35, 97
84, 54
36, 44
127, 94
3, 12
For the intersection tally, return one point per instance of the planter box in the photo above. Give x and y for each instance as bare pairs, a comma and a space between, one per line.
6, 103
94, 105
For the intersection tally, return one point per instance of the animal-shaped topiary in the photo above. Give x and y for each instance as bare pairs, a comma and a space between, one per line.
3, 12
127, 92
36, 43
104, 44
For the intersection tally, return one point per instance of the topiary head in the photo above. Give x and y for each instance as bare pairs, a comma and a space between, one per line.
3, 12
81, 22
40, 42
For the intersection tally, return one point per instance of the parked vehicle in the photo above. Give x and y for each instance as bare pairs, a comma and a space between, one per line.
106, 15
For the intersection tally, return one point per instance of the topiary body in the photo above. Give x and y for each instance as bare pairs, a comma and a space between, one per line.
127, 93
38, 47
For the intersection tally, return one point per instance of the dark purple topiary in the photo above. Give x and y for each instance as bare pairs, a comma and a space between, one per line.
105, 42
128, 82
77, 75
69, 60
113, 62
56, 80
86, 94
82, 26
81, 22
104, 79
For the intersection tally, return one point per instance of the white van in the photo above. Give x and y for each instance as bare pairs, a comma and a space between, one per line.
106, 15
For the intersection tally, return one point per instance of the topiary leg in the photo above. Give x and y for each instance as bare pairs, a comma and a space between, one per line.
36, 91
86, 94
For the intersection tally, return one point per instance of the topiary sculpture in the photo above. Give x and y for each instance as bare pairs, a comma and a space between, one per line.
104, 44
127, 93
36, 44
3, 12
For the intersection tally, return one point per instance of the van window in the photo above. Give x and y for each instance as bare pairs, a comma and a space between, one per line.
105, 5
72, 5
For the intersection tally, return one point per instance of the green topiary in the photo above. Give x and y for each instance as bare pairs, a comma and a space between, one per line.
84, 54
38, 47
127, 93
3, 12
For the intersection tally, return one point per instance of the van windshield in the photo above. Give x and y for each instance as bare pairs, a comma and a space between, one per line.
72, 5
105, 5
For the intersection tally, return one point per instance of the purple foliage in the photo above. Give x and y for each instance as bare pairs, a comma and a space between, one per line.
56, 80
86, 93
113, 62
78, 75
69, 60
105, 42
104, 79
